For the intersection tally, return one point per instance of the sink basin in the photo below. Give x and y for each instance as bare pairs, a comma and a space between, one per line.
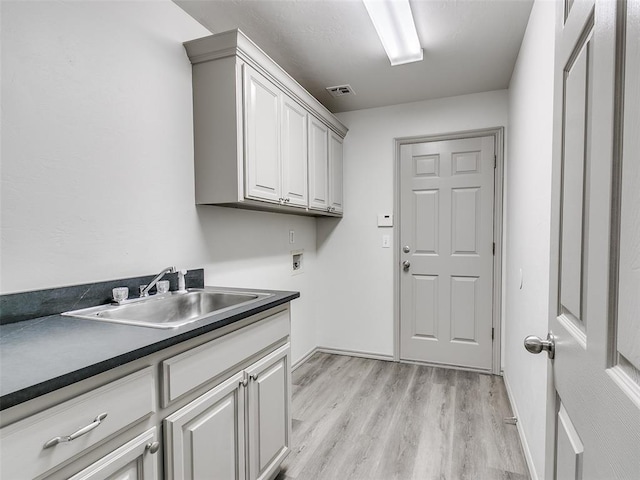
169, 310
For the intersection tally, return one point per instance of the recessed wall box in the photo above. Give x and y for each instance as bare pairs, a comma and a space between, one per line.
297, 265
385, 220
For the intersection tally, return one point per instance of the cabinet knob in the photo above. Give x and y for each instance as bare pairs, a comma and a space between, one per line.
244, 382
253, 376
152, 447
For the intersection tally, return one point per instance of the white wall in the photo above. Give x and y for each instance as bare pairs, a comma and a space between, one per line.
355, 272
97, 159
528, 227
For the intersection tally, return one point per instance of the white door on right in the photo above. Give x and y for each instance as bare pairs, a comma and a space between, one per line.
594, 415
446, 234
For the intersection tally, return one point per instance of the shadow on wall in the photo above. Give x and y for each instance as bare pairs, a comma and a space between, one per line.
231, 234
324, 228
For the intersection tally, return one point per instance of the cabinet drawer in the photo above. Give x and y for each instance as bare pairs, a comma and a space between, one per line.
188, 370
125, 401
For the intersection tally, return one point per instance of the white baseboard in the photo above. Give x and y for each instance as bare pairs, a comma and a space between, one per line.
304, 358
523, 440
337, 351
355, 353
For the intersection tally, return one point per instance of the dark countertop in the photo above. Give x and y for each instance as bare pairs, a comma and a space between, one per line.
44, 354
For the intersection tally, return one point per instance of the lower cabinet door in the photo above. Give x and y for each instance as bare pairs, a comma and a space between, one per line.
135, 460
269, 412
205, 439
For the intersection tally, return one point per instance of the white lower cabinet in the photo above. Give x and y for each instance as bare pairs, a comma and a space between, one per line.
269, 417
243, 423
224, 405
135, 460
206, 438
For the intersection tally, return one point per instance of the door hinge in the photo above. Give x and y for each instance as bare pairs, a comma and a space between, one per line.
494, 249
495, 161
492, 333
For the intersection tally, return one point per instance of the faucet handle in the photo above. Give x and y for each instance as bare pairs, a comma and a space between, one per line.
181, 281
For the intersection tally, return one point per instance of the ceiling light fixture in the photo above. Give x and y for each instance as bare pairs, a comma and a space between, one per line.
397, 31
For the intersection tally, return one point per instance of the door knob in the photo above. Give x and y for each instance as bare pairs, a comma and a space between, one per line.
406, 249
535, 344
406, 264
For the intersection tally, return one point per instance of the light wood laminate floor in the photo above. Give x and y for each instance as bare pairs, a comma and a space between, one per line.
362, 419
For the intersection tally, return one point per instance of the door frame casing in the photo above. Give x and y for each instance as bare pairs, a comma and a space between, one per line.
498, 134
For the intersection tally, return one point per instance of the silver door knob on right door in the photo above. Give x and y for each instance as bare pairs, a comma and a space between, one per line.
535, 344
406, 264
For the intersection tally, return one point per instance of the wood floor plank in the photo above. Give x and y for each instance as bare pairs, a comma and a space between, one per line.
363, 419
504, 451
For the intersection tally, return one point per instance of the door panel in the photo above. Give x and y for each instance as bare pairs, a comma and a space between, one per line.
464, 305
318, 164
465, 210
574, 177
335, 173
570, 448
597, 400
628, 338
269, 412
446, 220
205, 439
425, 291
262, 143
426, 230
294, 152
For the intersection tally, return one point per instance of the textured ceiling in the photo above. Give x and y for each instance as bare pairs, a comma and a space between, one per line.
469, 46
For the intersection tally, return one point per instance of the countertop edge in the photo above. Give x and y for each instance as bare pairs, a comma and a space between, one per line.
23, 395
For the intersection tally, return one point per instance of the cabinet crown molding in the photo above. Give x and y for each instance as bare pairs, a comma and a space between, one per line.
235, 43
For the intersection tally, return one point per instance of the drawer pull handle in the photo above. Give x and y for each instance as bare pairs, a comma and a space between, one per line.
152, 447
83, 431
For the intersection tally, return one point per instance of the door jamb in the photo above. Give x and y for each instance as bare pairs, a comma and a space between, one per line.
498, 135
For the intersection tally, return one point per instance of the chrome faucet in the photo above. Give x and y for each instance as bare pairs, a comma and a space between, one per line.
144, 290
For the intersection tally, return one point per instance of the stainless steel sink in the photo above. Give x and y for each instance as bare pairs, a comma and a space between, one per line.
170, 310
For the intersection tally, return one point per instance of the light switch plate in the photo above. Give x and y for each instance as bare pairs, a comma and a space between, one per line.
386, 241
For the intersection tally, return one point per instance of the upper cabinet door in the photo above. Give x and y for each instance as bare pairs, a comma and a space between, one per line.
318, 164
294, 152
261, 141
335, 174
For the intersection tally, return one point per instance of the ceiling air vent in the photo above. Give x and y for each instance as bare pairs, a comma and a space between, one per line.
341, 90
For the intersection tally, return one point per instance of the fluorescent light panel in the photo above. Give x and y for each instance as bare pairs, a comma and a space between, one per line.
394, 23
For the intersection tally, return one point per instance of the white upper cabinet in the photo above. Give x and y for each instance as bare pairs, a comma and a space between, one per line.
335, 174
318, 165
261, 140
325, 168
294, 153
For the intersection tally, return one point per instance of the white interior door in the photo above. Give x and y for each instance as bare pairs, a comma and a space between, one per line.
446, 242
594, 416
